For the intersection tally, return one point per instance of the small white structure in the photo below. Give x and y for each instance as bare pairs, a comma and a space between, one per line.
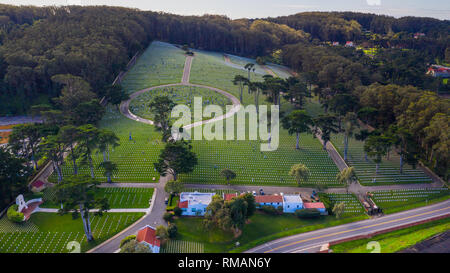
147, 236
194, 203
291, 203
20, 202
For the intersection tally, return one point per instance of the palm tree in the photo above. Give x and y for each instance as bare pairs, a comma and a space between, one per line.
241, 81
297, 122
339, 209
300, 172
108, 167
228, 175
345, 175
350, 123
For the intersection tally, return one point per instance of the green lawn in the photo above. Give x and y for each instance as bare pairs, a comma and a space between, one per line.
396, 240
260, 229
398, 200
118, 198
182, 95
161, 63
389, 172
50, 232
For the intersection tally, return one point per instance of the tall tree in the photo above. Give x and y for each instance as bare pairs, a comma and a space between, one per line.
300, 172
377, 147
298, 122
70, 134
161, 107
176, 158
87, 143
13, 176
53, 147
109, 168
249, 67
345, 176
240, 81
324, 126
78, 196
405, 145
228, 175
350, 123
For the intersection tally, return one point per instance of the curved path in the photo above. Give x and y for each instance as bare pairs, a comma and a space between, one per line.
157, 208
125, 105
311, 241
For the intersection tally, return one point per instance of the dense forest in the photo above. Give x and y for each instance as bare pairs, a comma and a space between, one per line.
46, 53
95, 43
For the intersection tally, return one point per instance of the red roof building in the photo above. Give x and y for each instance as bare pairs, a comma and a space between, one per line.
269, 199
317, 205
183, 205
147, 235
229, 196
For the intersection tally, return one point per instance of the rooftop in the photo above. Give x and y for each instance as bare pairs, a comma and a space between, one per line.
148, 234
317, 205
196, 198
269, 199
292, 198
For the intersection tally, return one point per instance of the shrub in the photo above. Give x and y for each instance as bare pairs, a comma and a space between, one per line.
307, 213
172, 230
326, 202
167, 216
269, 210
280, 209
14, 215
127, 239
177, 211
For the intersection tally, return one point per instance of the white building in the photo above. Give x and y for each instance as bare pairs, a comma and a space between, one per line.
194, 203
291, 203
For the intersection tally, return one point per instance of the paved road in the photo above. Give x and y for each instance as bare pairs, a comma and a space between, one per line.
310, 241
153, 218
187, 69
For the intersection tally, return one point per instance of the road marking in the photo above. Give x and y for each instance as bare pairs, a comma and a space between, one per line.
346, 231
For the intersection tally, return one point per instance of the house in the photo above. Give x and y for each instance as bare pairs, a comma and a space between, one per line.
147, 236
439, 71
37, 186
269, 200
229, 196
317, 205
291, 203
419, 35
349, 44
194, 203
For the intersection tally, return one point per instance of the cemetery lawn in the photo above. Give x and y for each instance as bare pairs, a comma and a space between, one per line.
183, 95
396, 240
50, 232
389, 172
393, 201
261, 228
134, 158
118, 198
161, 63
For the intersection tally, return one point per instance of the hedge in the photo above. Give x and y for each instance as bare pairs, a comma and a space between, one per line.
307, 213
14, 215
127, 239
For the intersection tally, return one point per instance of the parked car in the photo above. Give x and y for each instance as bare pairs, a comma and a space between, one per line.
261, 192
166, 201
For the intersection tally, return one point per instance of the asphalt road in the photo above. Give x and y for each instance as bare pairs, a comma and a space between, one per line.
311, 241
